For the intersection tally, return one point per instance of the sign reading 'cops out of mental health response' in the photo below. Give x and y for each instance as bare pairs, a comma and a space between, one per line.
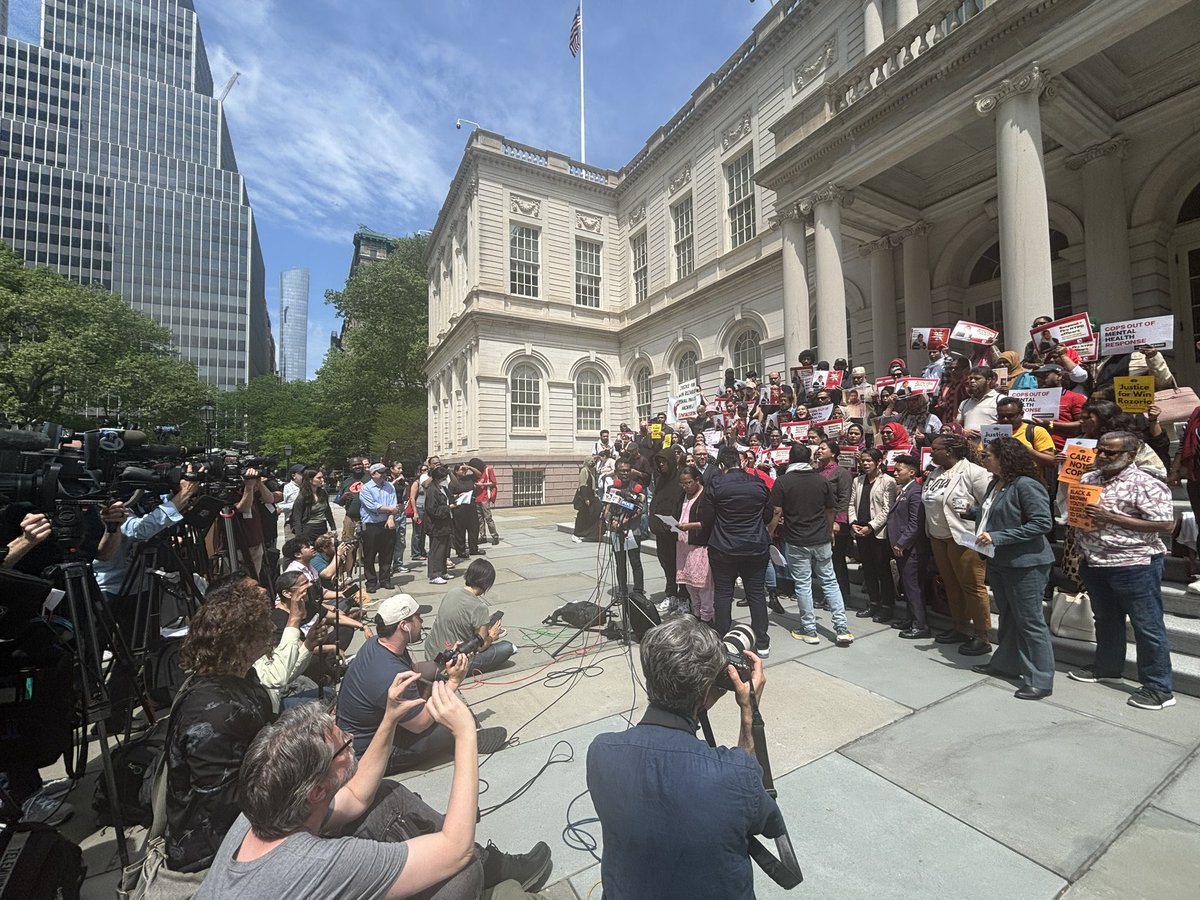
1125, 337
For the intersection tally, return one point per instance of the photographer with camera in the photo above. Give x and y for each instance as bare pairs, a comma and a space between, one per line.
254, 507
465, 616
280, 668
658, 781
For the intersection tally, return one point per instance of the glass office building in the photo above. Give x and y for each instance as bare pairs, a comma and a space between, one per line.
118, 168
293, 324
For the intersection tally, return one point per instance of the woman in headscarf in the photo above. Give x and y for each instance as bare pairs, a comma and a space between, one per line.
587, 503
895, 437
854, 437
1019, 378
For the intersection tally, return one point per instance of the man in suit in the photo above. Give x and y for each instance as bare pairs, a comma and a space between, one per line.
910, 546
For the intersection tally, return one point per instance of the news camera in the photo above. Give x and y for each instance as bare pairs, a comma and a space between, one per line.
449, 655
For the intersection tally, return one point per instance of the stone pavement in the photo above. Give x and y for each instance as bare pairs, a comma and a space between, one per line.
901, 773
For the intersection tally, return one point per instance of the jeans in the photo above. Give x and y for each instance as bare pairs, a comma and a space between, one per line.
398, 553
809, 564
1136, 592
842, 544
466, 529
486, 522
664, 547
492, 658
726, 569
418, 537
1023, 646
439, 551
435, 743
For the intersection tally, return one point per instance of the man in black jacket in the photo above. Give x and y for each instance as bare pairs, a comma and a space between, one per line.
667, 500
437, 524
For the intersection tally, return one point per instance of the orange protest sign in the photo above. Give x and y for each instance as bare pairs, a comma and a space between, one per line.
1079, 461
1079, 498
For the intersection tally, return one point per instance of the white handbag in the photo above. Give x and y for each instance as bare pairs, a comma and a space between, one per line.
1071, 616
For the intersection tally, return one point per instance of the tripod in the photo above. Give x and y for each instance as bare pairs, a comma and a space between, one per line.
617, 538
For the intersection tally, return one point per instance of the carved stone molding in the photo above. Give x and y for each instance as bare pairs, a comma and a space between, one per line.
525, 206
789, 212
830, 193
680, 178
1031, 81
916, 229
1114, 147
637, 215
806, 72
737, 130
588, 222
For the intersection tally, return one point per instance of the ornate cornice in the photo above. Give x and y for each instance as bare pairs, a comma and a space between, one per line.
1114, 147
884, 243
895, 238
737, 130
637, 214
788, 212
588, 222
1032, 81
803, 74
830, 193
525, 206
680, 178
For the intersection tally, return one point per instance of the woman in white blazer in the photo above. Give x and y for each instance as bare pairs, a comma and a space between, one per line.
871, 499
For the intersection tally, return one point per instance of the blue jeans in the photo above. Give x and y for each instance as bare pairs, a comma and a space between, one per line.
418, 538
808, 564
1136, 592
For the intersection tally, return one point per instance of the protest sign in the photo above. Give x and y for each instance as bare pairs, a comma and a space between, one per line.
1125, 337
885, 381
926, 458
1001, 373
974, 334
820, 414
712, 437
1079, 498
848, 459
890, 458
1088, 348
928, 338
1135, 393
827, 378
1041, 403
687, 404
989, 433
798, 431
1079, 460
778, 456
656, 431
833, 428
774, 394
1067, 331
803, 374
918, 385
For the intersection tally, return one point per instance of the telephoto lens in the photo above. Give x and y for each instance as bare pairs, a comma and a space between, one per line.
737, 642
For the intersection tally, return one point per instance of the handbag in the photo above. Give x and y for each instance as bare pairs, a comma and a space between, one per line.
1071, 616
1175, 404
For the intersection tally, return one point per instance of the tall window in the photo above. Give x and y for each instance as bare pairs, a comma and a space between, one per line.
739, 177
523, 260
637, 252
685, 260
641, 387
587, 273
525, 390
990, 315
685, 370
589, 404
747, 354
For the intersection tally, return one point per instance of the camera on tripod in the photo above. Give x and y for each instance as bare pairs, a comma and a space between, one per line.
449, 655
736, 644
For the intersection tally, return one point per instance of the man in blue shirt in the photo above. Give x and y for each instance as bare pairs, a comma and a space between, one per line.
378, 508
658, 779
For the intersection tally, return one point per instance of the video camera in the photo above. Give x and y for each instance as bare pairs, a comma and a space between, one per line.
449, 655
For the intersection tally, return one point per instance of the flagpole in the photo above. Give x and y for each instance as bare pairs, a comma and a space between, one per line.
582, 130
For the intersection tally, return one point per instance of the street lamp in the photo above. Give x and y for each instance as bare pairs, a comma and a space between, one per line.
208, 415
287, 452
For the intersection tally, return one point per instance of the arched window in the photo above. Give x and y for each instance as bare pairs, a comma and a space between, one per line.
747, 354
987, 267
525, 397
589, 401
641, 387
685, 369
1190, 210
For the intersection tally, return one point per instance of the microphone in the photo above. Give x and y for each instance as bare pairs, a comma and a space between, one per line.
616, 482
23, 441
637, 488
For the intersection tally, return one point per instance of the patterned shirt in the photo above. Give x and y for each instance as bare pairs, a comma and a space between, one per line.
1131, 492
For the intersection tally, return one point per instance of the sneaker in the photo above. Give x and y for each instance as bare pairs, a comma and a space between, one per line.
400, 569
531, 869
1149, 698
1194, 587
764, 652
496, 539
491, 739
664, 605
438, 580
1088, 676
844, 639
809, 637
574, 539
51, 809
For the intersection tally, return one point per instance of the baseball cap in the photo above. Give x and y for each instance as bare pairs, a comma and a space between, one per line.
298, 467
858, 370
400, 607
1048, 369
378, 467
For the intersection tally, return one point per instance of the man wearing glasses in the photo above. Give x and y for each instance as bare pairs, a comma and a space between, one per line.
1122, 569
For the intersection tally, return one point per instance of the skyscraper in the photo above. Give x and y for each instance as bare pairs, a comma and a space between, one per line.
118, 168
293, 324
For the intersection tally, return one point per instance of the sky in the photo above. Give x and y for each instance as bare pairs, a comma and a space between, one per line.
344, 113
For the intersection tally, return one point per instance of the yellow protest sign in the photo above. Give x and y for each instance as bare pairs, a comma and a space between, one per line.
1079, 498
1079, 460
1135, 393
656, 431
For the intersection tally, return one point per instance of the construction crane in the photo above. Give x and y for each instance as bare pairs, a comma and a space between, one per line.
229, 85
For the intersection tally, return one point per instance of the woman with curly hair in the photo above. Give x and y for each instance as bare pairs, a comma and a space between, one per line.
953, 487
221, 708
1013, 521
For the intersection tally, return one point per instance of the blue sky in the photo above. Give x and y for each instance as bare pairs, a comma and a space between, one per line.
345, 111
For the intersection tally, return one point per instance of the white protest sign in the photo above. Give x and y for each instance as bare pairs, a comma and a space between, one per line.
1041, 403
973, 333
712, 437
1125, 337
798, 431
688, 402
833, 428
1068, 330
778, 456
918, 385
989, 433
820, 414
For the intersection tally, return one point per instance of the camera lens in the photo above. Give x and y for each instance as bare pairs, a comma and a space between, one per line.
739, 639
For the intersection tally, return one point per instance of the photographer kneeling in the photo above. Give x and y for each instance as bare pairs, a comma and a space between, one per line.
658, 779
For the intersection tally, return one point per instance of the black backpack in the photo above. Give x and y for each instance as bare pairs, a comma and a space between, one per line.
579, 614
37, 863
134, 765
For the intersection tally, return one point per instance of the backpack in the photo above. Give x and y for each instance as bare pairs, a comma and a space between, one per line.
134, 764
579, 614
38, 863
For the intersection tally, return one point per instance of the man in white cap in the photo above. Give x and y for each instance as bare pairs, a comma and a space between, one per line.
858, 382
377, 508
363, 696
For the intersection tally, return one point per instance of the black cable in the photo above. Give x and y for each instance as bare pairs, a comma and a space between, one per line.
519, 792
574, 835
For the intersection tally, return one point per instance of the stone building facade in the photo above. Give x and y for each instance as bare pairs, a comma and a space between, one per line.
852, 170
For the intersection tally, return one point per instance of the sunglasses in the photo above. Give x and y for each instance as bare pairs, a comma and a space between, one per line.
1104, 451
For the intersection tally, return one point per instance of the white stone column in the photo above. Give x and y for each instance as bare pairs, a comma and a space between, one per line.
826, 208
1105, 230
873, 25
883, 303
918, 306
906, 11
1026, 282
795, 288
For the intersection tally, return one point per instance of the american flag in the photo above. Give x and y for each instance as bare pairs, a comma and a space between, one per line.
576, 29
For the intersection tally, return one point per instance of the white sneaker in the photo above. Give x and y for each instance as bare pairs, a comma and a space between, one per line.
577, 540
664, 606
1194, 587
438, 580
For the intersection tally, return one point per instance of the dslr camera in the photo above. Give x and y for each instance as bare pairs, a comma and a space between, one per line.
737, 643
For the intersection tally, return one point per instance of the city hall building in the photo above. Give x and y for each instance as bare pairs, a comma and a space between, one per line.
852, 170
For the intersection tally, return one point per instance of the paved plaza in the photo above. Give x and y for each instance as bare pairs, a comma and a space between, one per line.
901, 772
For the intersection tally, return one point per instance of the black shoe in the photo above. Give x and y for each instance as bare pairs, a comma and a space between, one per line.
975, 647
478, 552
820, 604
743, 602
776, 606
884, 615
385, 585
495, 539
1031, 693
371, 587
913, 634
461, 557
953, 637
868, 613
989, 670
491, 739
902, 624
531, 869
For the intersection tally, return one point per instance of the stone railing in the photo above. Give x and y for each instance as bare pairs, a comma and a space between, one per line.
588, 174
528, 154
904, 46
